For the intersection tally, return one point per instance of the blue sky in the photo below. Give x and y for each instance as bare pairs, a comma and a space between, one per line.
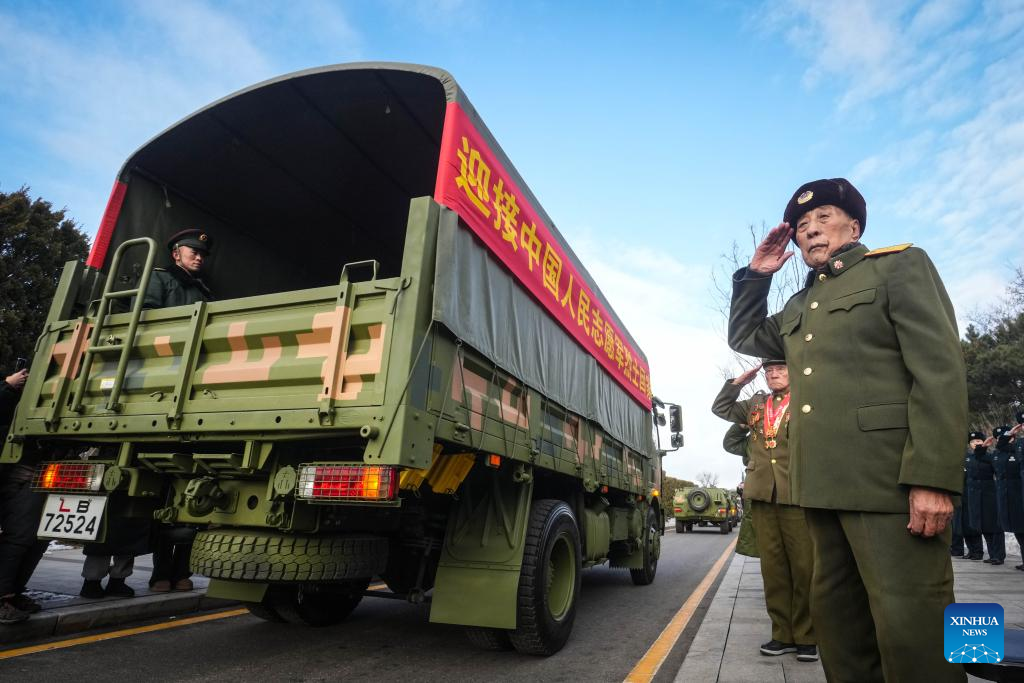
653, 133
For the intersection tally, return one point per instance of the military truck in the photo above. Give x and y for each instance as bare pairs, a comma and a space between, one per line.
703, 506
406, 373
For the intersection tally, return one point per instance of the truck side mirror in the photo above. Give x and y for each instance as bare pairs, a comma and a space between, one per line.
675, 419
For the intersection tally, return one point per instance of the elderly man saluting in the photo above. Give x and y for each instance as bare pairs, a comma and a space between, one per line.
879, 401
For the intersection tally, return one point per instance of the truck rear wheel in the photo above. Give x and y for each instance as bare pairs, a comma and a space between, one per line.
725, 527
489, 638
652, 551
316, 605
247, 555
680, 527
549, 581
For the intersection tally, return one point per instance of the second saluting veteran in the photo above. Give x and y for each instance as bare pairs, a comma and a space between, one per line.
879, 401
783, 543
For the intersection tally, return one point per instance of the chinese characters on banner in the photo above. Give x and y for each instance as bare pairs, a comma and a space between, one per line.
472, 182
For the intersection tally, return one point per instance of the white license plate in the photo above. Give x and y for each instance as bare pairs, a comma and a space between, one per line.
71, 516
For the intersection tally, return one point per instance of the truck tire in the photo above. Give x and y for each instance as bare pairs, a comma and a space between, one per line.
680, 527
247, 555
724, 527
549, 581
699, 500
651, 550
316, 605
489, 638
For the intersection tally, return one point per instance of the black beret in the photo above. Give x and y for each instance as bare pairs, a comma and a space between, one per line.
976, 435
197, 239
1000, 430
765, 362
836, 192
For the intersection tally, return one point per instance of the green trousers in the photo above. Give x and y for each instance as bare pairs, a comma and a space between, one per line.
786, 567
878, 598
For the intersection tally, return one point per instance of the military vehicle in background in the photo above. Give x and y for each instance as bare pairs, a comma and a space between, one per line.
407, 372
703, 506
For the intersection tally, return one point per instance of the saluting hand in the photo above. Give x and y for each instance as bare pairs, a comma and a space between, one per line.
771, 254
747, 376
930, 511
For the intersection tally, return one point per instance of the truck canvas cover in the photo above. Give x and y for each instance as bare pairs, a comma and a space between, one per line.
311, 170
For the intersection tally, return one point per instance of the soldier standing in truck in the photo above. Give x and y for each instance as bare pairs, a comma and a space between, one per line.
180, 284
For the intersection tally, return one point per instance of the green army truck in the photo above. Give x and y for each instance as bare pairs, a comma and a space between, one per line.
703, 506
406, 373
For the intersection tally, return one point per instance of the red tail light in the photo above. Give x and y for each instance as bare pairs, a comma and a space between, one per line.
69, 476
677, 509
721, 511
347, 482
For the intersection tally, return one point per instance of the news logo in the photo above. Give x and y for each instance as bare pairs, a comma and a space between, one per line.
974, 633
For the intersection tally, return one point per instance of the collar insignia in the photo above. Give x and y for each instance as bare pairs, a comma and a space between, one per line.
838, 265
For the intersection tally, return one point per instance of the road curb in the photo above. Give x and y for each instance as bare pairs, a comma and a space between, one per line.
77, 618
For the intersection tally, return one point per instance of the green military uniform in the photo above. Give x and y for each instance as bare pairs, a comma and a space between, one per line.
879, 405
174, 286
735, 442
783, 542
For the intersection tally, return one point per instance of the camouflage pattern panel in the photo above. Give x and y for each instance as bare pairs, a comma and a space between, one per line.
482, 408
300, 350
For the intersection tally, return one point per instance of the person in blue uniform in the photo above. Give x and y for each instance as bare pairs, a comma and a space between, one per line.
984, 511
1009, 499
971, 533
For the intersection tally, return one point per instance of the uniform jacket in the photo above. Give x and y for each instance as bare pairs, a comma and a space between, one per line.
983, 514
174, 287
876, 373
1009, 501
965, 500
735, 441
768, 469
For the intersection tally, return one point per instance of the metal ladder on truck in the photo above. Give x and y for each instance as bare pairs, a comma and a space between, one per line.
112, 344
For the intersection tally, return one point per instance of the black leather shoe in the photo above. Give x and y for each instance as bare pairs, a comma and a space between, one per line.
995, 562
118, 588
774, 648
975, 556
989, 561
1020, 567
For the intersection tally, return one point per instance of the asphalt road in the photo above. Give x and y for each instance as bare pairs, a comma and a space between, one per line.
615, 625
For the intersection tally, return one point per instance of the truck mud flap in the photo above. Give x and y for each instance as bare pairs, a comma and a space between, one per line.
482, 555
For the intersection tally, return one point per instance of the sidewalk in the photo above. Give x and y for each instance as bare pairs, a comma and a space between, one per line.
55, 587
725, 648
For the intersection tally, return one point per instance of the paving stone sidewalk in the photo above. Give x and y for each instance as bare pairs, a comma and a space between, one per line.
55, 586
725, 648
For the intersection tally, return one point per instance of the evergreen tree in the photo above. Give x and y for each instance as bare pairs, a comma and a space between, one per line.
35, 243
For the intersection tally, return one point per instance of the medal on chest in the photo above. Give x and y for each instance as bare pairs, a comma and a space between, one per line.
774, 411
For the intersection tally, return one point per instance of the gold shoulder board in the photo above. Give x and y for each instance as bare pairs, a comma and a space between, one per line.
890, 250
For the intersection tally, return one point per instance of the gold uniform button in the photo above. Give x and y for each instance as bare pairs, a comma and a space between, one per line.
808, 337
806, 408
808, 371
773, 461
821, 277
814, 304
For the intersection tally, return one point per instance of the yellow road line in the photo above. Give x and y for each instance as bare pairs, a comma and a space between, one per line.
655, 656
83, 640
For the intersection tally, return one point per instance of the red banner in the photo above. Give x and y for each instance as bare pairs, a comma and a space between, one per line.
472, 182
